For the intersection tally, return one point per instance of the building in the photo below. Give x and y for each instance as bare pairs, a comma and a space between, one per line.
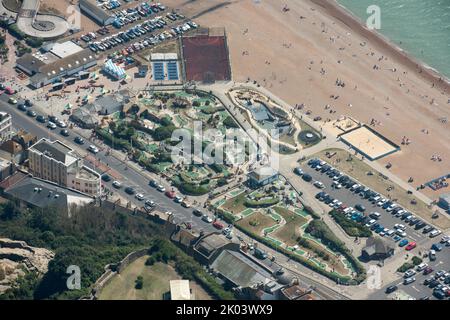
5, 127
179, 290
142, 70
114, 71
96, 13
90, 115
7, 168
208, 247
377, 249
55, 69
165, 66
444, 201
56, 162
65, 49
38, 193
296, 292
251, 279
262, 177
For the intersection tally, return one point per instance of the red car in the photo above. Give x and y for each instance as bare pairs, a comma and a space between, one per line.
411, 246
10, 91
217, 225
170, 194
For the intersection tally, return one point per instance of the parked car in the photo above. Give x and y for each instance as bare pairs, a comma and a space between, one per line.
139, 196
130, 190
106, 177
79, 140
403, 243
31, 113
64, 132
197, 213
207, 218
93, 149
391, 289
116, 184
51, 125
41, 118
409, 280
150, 203
411, 246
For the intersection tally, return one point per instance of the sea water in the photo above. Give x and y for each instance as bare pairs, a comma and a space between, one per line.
420, 27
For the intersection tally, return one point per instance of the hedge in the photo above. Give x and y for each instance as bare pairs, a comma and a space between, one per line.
352, 228
108, 138
261, 204
320, 230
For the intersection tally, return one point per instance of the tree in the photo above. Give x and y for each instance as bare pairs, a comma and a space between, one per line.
139, 283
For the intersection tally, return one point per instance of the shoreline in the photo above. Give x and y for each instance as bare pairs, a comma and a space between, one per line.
345, 16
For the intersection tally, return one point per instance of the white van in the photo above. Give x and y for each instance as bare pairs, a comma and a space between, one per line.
435, 233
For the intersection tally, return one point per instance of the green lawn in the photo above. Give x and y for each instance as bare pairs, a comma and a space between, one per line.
156, 283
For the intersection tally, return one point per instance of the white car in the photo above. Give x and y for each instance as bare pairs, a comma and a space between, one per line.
51, 125
93, 149
401, 233
435, 233
371, 222
207, 219
116, 184
381, 202
409, 273
61, 124
160, 188
421, 267
409, 280
337, 185
178, 199
319, 185
445, 239
150, 203
139, 196
355, 186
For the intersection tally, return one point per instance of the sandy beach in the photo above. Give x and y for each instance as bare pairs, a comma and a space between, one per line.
300, 50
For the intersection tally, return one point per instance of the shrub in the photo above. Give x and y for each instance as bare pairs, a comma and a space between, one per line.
416, 260
150, 261
405, 267
261, 203
139, 283
352, 228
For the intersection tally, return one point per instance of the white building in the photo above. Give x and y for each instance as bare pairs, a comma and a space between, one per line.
5, 127
56, 162
179, 290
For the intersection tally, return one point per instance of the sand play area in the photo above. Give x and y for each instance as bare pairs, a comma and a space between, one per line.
301, 52
368, 143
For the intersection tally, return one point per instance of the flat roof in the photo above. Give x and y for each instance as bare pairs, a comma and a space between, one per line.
163, 56
179, 290
65, 49
55, 150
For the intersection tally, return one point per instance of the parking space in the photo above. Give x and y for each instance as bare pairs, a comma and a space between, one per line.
429, 280
363, 205
137, 28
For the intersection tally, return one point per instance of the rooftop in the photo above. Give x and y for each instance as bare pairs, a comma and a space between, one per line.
263, 173
179, 290
41, 193
240, 270
55, 150
210, 243
65, 49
